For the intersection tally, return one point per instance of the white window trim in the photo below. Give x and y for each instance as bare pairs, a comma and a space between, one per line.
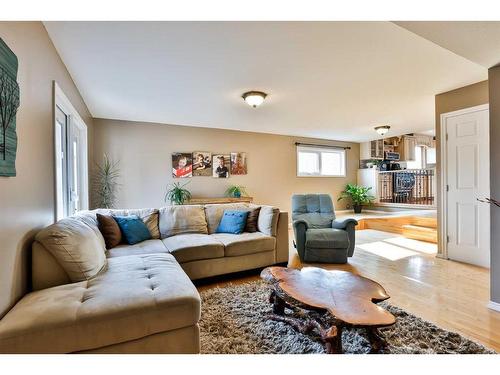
319, 149
62, 101
423, 156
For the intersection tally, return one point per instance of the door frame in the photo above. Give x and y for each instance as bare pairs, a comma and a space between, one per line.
443, 168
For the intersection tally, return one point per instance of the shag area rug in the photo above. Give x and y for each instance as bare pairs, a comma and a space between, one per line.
234, 320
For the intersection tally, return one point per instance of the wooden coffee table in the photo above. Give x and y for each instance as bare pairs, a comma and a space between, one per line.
348, 298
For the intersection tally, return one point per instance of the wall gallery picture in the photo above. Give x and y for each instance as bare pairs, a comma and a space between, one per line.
182, 165
9, 104
202, 163
220, 165
238, 163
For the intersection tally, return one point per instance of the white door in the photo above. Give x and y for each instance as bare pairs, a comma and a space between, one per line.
468, 178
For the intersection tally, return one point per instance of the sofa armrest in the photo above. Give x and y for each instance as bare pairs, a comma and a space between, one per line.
344, 224
282, 244
299, 229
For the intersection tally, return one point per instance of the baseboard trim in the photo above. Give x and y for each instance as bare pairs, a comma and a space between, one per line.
494, 306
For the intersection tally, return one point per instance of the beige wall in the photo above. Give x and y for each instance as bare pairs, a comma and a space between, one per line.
144, 151
27, 200
464, 97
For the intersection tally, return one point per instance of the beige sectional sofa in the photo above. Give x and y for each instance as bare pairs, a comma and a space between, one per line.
132, 298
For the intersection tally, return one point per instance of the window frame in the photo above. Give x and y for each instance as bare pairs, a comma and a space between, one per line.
319, 150
423, 158
75, 130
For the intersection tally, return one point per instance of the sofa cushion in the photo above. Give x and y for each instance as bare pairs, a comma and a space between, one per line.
252, 220
150, 216
193, 246
182, 219
232, 222
110, 230
327, 238
134, 230
214, 212
136, 297
245, 243
141, 248
268, 220
76, 246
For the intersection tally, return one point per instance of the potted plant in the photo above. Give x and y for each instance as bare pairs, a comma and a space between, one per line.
235, 191
105, 183
358, 195
177, 194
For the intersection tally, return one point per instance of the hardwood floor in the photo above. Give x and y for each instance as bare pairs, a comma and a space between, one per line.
452, 295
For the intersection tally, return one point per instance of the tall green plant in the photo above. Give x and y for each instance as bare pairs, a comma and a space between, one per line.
177, 194
357, 194
105, 183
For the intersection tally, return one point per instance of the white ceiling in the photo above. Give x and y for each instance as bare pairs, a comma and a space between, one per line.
476, 41
332, 80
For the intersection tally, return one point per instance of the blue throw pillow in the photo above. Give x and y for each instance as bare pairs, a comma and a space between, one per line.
232, 222
133, 229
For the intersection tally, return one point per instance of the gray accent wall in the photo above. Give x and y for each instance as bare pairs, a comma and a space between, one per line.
494, 94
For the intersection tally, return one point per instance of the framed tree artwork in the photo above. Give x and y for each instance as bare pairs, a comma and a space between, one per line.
9, 103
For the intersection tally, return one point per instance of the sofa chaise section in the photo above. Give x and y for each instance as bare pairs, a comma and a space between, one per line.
139, 301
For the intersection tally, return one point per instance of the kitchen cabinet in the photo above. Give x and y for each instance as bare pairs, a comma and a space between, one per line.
406, 148
372, 150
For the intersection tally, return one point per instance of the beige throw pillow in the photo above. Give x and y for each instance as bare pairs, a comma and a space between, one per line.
268, 220
78, 249
182, 219
152, 221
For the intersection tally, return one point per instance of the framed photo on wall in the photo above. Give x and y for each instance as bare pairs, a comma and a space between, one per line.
238, 163
202, 163
221, 165
182, 165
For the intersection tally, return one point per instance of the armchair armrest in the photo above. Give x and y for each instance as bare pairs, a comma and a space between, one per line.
344, 224
347, 225
299, 229
300, 223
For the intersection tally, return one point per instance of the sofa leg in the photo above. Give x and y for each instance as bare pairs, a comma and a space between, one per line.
281, 264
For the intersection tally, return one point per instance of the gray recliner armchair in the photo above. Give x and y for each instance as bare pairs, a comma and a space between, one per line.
319, 237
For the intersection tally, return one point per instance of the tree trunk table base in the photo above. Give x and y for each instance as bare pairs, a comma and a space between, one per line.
316, 297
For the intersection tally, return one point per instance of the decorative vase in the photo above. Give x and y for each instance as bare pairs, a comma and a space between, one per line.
357, 208
237, 194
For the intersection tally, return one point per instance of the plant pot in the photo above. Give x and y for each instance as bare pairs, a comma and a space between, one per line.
237, 194
357, 208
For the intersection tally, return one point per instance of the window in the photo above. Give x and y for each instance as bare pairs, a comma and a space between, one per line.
430, 157
70, 157
425, 157
417, 163
320, 161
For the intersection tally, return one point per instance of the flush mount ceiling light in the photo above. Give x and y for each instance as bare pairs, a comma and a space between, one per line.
254, 98
382, 129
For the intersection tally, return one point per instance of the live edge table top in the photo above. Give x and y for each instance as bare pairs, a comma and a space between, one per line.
348, 297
